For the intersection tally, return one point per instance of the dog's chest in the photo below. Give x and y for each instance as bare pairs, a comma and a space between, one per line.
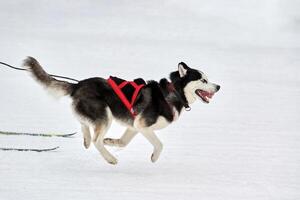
160, 123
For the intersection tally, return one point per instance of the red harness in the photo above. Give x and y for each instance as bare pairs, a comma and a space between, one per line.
118, 90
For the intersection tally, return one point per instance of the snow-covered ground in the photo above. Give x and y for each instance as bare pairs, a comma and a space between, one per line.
244, 145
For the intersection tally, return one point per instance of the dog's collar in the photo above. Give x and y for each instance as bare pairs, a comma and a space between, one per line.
184, 102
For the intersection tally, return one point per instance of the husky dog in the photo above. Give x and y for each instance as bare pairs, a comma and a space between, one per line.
158, 104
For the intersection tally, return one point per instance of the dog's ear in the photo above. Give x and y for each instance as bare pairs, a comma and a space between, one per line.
182, 69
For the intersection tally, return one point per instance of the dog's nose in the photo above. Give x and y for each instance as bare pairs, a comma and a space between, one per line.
218, 88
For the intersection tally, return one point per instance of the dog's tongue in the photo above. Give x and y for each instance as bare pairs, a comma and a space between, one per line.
206, 94
210, 95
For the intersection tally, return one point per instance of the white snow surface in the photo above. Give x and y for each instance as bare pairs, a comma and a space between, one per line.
244, 145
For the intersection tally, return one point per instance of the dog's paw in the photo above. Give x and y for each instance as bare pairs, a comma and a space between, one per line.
112, 142
108, 141
112, 160
86, 143
154, 157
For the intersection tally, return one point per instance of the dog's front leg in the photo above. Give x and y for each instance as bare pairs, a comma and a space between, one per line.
153, 139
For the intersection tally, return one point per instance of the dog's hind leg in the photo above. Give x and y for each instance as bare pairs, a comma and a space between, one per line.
99, 144
153, 139
124, 140
100, 130
86, 135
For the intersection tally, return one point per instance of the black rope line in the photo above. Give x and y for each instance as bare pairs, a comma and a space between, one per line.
2, 63
52, 75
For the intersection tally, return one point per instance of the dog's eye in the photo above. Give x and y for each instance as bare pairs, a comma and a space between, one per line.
204, 81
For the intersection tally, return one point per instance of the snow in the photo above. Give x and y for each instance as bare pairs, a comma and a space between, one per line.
243, 145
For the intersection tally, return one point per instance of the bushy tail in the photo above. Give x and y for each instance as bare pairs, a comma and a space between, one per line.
55, 87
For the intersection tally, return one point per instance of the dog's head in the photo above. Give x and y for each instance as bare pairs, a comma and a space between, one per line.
194, 83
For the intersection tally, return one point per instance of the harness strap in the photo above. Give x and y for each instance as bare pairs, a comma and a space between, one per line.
123, 98
123, 84
136, 92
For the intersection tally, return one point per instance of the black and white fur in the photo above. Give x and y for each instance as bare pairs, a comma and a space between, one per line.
95, 105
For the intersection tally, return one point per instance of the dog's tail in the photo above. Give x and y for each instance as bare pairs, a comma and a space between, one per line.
55, 87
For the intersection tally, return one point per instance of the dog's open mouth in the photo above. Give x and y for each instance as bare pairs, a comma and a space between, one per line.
205, 96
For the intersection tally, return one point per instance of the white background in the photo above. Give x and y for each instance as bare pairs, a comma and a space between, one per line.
244, 145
